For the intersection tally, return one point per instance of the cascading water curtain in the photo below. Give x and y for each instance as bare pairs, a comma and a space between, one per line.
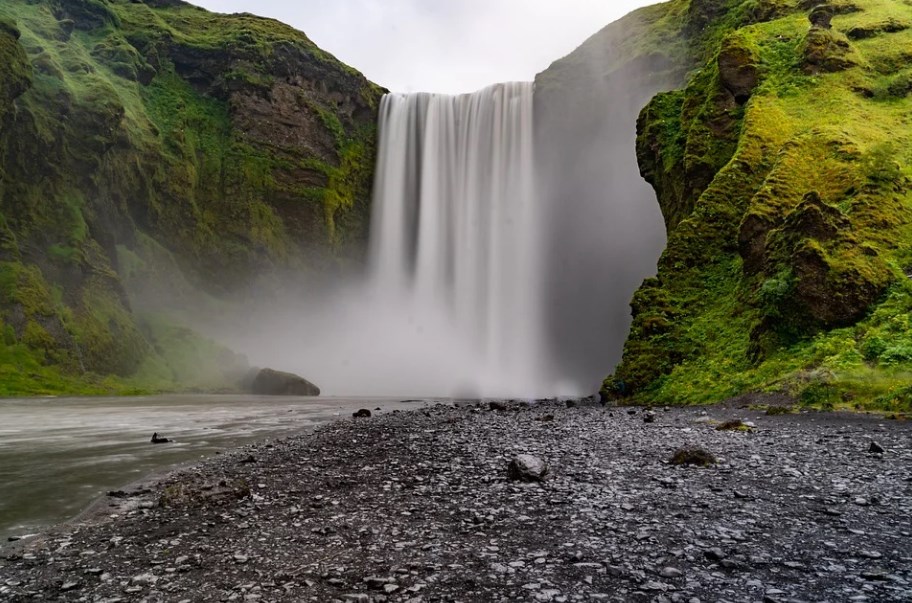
456, 230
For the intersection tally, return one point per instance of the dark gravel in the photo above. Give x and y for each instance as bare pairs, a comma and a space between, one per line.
419, 507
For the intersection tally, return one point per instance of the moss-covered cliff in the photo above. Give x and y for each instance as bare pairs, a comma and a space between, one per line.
784, 171
138, 137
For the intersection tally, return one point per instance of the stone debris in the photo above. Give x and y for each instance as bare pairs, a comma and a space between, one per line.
420, 507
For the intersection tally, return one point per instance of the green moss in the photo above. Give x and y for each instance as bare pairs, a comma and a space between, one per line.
789, 237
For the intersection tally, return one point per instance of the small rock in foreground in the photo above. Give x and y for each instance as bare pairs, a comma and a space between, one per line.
736, 425
692, 456
528, 468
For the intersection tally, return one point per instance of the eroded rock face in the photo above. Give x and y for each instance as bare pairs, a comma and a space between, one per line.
832, 280
822, 16
827, 51
863, 32
277, 383
833, 295
738, 69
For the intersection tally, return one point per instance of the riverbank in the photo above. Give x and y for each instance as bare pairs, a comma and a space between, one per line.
418, 506
58, 455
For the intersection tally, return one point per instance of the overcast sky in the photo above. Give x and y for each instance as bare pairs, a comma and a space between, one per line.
441, 45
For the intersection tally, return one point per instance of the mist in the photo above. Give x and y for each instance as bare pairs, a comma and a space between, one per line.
605, 229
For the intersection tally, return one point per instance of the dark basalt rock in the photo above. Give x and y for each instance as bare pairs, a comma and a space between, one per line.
86, 15
735, 425
692, 456
276, 383
362, 414
157, 439
528, 468
832, 280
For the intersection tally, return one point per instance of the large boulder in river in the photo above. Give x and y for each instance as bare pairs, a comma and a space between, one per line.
276, 383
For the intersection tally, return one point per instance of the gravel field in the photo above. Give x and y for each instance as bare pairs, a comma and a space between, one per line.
421, 506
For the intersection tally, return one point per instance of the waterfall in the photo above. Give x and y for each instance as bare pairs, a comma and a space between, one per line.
456, 235
499, 265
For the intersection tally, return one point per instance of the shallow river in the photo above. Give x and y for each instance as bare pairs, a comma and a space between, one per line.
57, 455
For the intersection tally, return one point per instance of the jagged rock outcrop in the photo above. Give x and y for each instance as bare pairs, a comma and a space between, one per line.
144, 140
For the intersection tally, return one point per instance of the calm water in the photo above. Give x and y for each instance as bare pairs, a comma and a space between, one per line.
57, 455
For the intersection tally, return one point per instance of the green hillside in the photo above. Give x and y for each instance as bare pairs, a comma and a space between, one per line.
152, 143
784, 171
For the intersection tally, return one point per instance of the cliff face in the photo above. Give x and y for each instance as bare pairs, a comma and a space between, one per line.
602, 218
783, 172
144, 138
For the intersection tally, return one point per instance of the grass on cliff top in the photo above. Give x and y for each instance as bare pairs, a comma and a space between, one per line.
831, 133
198, 27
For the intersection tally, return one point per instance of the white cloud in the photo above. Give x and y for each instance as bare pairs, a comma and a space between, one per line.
442, 45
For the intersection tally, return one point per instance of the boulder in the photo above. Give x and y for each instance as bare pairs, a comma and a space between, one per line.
362, 414
528, 468
498, 405
276, 383
692, 456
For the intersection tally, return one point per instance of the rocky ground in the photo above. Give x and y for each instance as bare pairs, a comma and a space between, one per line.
420, 507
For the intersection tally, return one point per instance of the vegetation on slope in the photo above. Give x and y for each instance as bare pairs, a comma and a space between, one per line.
784, 171
134, 134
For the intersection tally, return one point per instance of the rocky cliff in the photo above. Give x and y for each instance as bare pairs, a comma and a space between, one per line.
782, 167
156, 143
602, 218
